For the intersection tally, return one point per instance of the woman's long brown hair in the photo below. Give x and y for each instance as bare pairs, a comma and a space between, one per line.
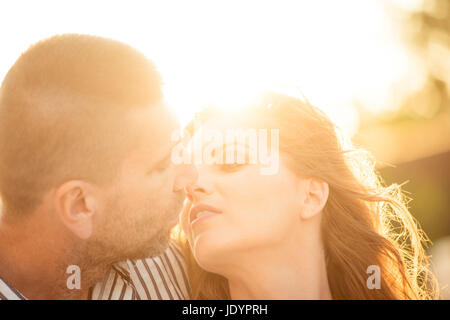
364, 223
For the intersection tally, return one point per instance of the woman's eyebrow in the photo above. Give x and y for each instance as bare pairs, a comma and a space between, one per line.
235, 145
236, 149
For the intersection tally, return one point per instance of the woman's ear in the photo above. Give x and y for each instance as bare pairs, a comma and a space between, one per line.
75, 205
315, 195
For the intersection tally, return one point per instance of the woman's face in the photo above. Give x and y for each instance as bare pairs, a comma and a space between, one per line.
237, 210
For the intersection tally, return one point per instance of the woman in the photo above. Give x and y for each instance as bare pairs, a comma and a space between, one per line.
322, 227
318, 225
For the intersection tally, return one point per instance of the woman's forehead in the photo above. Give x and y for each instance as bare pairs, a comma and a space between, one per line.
224, 122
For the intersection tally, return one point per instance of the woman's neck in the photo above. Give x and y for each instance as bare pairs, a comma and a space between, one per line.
280, 275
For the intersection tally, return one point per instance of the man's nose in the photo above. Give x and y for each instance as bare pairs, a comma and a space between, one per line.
187, 174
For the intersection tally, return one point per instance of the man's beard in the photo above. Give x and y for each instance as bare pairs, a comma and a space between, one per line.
122, 239
101, 253
118, 239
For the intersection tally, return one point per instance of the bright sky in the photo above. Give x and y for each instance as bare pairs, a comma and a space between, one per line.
335, 52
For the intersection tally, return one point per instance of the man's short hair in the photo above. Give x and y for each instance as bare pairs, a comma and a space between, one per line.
62, 108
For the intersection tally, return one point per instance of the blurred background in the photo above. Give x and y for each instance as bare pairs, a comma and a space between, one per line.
380, 69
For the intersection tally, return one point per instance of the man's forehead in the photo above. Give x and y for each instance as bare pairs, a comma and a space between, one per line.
156, 121
155, 127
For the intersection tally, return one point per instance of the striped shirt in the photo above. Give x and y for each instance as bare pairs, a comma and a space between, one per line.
159, 278
9, 293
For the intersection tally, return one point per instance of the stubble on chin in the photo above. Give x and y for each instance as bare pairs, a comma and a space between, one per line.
148, 236
160, 241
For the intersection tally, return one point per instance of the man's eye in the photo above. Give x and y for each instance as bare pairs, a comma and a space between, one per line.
161, 167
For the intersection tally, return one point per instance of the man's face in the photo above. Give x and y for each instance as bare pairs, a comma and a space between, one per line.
142, 204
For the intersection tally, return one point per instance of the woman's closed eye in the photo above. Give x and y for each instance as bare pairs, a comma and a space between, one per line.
234, 159
227, 167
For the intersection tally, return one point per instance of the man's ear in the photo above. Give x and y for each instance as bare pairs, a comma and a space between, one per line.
314, 198
76, 205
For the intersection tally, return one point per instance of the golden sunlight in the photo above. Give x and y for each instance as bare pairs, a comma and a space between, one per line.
337, 56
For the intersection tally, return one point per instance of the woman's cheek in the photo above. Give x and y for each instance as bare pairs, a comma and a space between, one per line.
208, 252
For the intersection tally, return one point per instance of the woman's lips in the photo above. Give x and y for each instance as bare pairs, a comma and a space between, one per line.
202, 211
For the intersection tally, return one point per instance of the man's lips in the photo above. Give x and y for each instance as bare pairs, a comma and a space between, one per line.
202, 207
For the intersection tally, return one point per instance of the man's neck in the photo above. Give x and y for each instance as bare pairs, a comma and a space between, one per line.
35, 264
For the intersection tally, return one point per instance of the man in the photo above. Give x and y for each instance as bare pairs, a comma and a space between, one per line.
86, 176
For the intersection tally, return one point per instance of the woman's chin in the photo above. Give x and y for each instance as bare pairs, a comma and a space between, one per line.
210, 255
